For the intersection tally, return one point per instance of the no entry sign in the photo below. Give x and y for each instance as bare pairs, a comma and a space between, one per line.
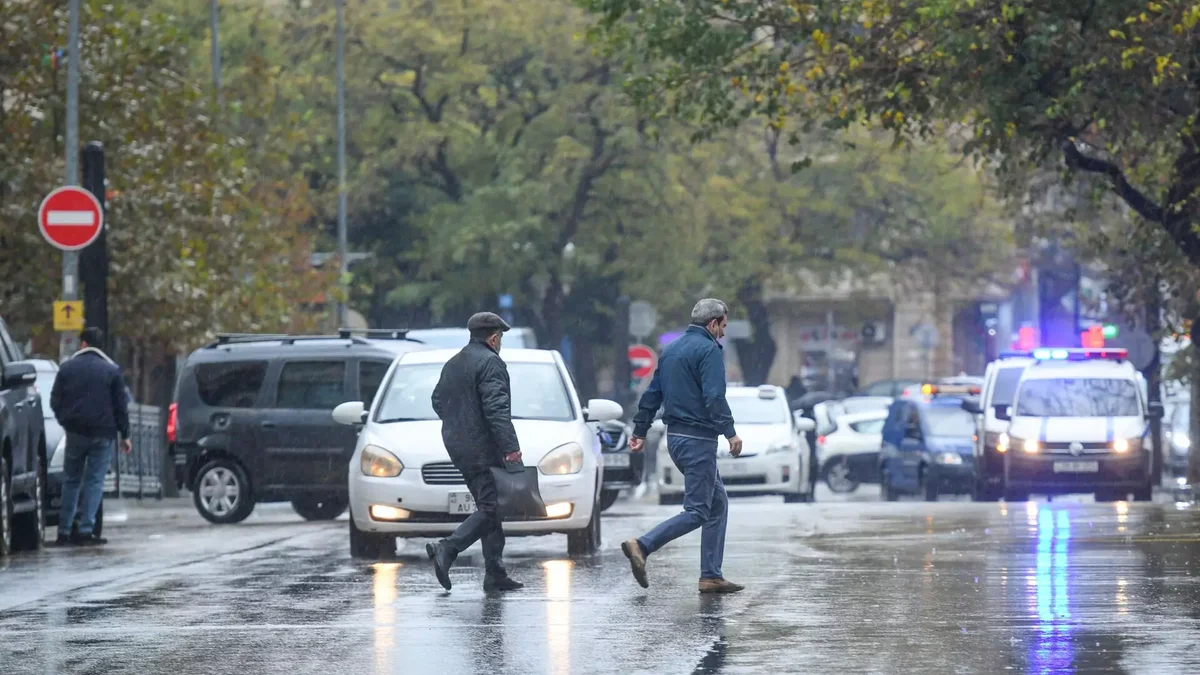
643, 359
70, 218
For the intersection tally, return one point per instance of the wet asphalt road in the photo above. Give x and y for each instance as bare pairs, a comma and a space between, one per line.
838, 587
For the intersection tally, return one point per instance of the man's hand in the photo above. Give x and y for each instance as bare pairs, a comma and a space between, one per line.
735, 446
636, 444
126, 446
513, 457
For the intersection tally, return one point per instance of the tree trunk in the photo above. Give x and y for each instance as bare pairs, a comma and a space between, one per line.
756, 354
584, 368
1194, 419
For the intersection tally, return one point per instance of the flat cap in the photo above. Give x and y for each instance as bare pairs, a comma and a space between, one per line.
487, 321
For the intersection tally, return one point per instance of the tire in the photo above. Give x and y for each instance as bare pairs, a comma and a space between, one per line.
984, 493
608, 498
6, 509
928, 486
1110, 496
795, 497
369, 545
223, 494
319, 508
669, 500
29, 529
1144, 493
836, 475
885, 486
1015, 496
587, 540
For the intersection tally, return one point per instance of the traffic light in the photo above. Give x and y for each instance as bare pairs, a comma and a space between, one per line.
1110, 331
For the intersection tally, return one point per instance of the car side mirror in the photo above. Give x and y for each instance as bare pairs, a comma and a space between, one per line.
602, 410
804, 424
350, 413
1155, 410
972, 406
1003, 413
18, 374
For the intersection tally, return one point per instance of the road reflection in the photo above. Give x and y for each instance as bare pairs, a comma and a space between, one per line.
384, 597
558, 614
1051, 650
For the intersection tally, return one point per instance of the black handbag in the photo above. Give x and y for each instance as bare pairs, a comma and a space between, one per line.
517, 493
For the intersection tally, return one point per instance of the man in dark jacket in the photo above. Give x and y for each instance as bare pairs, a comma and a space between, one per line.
89, 401
690, 384
473, 400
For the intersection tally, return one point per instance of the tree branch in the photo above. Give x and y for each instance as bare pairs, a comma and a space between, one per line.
1136, 199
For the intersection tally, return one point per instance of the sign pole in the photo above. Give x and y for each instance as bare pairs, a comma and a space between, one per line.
341, 170
70, 259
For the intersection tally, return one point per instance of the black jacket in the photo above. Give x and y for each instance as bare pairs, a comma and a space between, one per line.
473, 400
89, 396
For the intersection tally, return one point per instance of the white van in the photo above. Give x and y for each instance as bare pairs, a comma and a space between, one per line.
999, 387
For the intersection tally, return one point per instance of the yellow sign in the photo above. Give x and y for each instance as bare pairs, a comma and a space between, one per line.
68, 316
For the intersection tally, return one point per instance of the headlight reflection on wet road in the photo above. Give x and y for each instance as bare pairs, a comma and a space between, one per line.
558, 614
1051, 650
384, 592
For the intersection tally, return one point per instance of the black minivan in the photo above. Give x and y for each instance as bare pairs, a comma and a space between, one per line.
252, 422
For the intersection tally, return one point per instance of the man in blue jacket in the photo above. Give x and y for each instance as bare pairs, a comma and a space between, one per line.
89, 400
690, 383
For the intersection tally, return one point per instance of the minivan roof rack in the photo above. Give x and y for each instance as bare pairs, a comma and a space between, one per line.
376, 333
282, 338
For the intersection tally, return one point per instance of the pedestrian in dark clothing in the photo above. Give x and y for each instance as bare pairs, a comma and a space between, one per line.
795, 389
689, 384
91, 404
473, 400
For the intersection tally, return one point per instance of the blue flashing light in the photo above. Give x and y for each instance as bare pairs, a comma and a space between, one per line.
1059, 354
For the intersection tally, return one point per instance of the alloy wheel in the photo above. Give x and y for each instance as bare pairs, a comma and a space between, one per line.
220, 491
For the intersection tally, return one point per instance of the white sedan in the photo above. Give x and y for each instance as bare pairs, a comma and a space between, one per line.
849, 454
402, 483
775, 455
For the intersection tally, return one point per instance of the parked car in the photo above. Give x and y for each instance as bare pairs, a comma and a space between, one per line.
47, 371
251, 419
22, 451
849, 455
861, 404
927, 445
457, 338
403, 484
1177, 437
775, 455
622, 469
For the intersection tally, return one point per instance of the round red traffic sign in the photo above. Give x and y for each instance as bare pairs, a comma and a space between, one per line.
643, 359
70, 218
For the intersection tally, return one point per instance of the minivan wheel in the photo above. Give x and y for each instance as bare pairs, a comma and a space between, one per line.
29, 529
6, 509
223, 494
837, 476
587, 540
319, 508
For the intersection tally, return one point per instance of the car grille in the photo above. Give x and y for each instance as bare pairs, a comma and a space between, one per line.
441, 473
744, 480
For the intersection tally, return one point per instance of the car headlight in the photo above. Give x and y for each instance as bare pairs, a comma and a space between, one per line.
1031, 446
380, 463
780, 447
1181, 442
949, 458
1003, 443
563, 460
1124, 445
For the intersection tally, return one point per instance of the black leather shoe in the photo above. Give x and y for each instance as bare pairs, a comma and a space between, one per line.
87, 540
62, 540
504, 583
442, 560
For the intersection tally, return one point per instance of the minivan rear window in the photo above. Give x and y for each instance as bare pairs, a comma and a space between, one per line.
233, 384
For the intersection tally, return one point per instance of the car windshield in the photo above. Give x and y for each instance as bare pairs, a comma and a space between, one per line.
1083, 397
754, 410
45, 383
1006, 386
948, 421
860, 405
538, 393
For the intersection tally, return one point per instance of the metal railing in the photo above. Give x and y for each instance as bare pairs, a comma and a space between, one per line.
138, 473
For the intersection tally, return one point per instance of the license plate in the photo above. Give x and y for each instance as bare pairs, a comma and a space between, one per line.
616, 459
1076, 467
461, 502
733, 468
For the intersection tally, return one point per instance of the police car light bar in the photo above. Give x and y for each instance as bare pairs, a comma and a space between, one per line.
1060, 354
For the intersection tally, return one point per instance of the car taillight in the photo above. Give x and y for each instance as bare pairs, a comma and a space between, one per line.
172, 422
821, 440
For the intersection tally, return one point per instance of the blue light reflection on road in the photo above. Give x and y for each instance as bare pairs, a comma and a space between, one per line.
1051, 651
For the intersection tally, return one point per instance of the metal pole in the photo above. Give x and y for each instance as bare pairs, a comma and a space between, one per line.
214, 16
341, 161
70, 259
830, 346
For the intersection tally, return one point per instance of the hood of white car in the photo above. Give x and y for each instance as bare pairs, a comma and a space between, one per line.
419, 443
756, 438
1082, 429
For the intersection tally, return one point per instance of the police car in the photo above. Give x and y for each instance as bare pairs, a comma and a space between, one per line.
1079, 423
1000, 382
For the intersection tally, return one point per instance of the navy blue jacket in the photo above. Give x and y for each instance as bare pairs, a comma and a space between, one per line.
689, 384
89, 396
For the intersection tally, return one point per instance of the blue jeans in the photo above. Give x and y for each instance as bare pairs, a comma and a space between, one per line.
84, 466
705, 504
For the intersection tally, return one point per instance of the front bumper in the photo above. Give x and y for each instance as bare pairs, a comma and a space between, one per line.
761, 474
953, 478
428, 504
1036, 473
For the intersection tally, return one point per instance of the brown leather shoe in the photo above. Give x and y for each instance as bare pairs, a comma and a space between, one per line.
719, 586
637, 561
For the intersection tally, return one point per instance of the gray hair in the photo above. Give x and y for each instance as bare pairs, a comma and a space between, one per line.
708, 310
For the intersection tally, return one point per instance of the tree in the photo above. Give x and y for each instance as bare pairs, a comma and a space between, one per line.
1100, 86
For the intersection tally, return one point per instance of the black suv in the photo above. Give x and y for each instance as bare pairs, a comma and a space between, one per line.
22, 451
252, 419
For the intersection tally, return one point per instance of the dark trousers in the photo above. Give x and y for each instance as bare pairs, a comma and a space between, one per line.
484, 524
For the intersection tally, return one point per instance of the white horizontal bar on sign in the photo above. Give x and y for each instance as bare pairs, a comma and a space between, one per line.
76, 218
